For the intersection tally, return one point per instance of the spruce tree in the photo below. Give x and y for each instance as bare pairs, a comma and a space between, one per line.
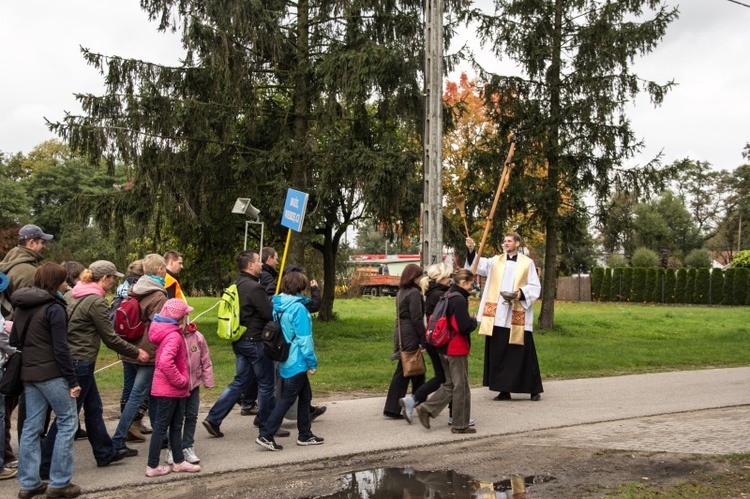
576, 60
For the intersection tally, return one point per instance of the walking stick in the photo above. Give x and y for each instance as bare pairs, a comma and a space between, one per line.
460, 201
504, 178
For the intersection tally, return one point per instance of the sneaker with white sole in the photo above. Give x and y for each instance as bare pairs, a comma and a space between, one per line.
168, 459
471, 422
190, 455
8, 473
269, 444
407, 407
185, 467
313, 440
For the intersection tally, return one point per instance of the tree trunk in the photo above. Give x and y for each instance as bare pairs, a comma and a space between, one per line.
549, 279
329, 276
301, 119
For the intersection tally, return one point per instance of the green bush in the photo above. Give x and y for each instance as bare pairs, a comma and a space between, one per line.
670, 279
741, 259
597, 276
680, 285
699, 258
690, 286
615, 292
740, 286
728, 290
644, 257
649, 286
605, 295
702, 285
639, 285
717, 286
627, 284
616, 260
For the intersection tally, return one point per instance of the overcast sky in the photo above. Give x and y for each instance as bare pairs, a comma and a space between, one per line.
706, 51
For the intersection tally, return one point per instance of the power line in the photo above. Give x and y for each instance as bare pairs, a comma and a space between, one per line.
740, 3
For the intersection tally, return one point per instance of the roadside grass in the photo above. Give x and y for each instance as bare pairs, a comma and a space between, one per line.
589, 340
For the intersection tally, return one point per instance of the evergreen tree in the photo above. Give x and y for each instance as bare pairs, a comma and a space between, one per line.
740, 287
324, 97
717, 286
627, 284
728, 290
690, 286
702, 286
597, 278
616, 289
570, 102
660, 287
606, 287
670, 280
680, 286
649, 286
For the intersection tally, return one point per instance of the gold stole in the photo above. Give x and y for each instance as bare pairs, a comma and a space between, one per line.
518, 314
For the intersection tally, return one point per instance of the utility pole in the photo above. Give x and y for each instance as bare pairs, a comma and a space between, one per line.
432, 207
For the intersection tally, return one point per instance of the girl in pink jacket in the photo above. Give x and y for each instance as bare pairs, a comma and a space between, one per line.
201, 372
171, 386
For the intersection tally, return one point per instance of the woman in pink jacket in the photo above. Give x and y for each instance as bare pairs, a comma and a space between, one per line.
171, 385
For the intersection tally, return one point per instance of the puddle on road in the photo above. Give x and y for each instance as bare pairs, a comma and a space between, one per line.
407, 483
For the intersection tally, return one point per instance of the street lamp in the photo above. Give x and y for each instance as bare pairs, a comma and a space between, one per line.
243, 207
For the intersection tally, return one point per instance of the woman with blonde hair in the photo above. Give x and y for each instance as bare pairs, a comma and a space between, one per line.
434, 285
455, 359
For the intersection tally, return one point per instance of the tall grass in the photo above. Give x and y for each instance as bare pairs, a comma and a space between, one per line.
589, 340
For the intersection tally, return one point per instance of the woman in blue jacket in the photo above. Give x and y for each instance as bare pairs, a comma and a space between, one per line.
296, 323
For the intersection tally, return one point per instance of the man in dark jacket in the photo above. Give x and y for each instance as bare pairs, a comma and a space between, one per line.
255, 313
269, 275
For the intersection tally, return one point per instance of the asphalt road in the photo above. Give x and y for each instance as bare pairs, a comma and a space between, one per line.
587, 406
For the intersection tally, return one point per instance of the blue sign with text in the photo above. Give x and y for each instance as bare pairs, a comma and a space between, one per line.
294, 210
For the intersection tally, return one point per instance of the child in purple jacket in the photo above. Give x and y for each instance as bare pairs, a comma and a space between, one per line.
171, 386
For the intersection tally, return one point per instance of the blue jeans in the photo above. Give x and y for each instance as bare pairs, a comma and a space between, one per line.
170, 412
296, 386
91, 402
39, 396
249, 358
128, 379
192, 406
141, 388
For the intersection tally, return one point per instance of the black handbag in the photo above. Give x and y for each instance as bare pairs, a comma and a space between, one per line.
11, 384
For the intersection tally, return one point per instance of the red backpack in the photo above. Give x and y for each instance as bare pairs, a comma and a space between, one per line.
128, 323
438, 328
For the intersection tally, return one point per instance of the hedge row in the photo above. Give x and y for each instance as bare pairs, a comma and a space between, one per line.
698, 286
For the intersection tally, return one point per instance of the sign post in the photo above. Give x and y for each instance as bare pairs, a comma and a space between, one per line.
292, 218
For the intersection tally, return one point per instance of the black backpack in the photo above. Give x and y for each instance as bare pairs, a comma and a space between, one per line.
274, 342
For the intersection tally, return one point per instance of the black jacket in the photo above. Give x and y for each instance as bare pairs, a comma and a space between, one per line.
411, 317
255, 307
45, 350
432, 297
269, 277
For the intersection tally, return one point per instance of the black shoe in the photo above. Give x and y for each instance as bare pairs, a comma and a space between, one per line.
503, 396
129, 452
536, 397
81, 434
317, 411
256, 422
281, 432
39, 491
269, 444
212, 429
249, 410
118, 455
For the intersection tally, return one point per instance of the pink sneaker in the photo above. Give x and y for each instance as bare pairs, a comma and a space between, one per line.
158, 471
186, 467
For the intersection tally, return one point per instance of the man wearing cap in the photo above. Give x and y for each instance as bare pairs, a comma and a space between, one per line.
19, 265
21, 262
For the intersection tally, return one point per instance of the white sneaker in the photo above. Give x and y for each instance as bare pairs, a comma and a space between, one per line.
169, 460
190, 456
471, 422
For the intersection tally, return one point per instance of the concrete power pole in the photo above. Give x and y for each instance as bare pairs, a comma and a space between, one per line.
432, 207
